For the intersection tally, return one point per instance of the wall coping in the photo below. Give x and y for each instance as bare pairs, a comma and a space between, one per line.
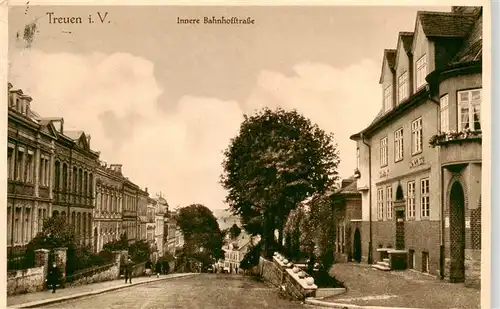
302, 282
278, 261
396, 251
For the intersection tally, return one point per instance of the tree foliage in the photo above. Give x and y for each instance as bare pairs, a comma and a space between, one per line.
309, 230
277, 160
201, 230
252, 256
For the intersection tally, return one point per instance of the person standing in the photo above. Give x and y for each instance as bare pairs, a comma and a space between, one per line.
53, 277
149, 266
158, 268
128, 270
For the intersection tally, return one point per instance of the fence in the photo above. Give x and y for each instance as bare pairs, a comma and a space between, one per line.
20, 262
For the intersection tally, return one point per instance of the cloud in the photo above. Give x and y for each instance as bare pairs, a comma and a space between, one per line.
115, 99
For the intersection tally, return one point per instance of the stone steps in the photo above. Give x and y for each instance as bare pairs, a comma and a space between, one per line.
384, 265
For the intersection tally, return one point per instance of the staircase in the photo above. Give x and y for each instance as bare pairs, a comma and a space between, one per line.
383, 265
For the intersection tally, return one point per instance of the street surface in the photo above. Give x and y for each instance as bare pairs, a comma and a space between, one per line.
202, 291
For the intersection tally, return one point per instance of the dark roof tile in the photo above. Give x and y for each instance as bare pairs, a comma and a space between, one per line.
407, 39
444, 24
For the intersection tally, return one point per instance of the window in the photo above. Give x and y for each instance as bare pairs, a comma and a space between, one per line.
20, 163
411, 259
469, 104
403, 87
421, 71
388, 98
389, 208
398, 145
425, 262
445, 114
416, 136
29, 167
10, 165
380, 204
383, 152
424, 197
410, 200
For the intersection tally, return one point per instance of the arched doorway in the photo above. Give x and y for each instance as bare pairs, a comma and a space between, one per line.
457, 233
357, 246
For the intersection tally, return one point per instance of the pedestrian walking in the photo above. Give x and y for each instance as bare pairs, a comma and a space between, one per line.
128, 270
166, 267
149, 266
158, 269
53, 277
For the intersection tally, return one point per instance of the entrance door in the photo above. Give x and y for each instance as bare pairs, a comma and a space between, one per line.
357, 246
400, 230
457, 233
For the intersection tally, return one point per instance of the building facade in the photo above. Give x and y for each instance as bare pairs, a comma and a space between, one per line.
151, 220
416, 197
129, 213
160, 210
30, 158
171, 235
142, 214
108, 205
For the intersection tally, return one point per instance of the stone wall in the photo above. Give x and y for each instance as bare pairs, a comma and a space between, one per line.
26, 280
139, 269
270, 272
473, 268
98, 274
278, 274
297, 287
32, 279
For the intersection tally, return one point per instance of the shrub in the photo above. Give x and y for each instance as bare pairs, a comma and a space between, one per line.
251, 258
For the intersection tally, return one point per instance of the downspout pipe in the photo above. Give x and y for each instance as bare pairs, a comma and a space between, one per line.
370, 243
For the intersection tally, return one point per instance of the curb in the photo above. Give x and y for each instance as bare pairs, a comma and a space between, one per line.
316, 302
38, 303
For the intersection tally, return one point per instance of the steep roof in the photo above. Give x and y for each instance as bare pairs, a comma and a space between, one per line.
407, 39
446, 24
390, 58
74, 135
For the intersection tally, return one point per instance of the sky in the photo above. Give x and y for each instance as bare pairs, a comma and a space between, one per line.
164, 99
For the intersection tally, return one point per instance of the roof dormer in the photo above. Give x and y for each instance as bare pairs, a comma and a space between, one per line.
387, 79
404, 67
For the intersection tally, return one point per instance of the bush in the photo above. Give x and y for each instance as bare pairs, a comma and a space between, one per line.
252, 257
139, 251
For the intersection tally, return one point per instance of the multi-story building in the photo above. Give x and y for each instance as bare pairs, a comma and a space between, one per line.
108, 205
161, 208
171, 235
30, 161
129, 209
151, 218
418, 198
142, 214
236, 249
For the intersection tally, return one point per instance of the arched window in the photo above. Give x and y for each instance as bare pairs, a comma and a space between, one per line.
399, 193
57, 176
65, 177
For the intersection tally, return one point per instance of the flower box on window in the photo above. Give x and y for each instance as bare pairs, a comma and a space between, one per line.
453, 136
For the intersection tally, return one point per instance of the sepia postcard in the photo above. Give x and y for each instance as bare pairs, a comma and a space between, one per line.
247, 155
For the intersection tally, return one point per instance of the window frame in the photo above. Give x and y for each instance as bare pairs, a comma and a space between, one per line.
380, 203
399, 145
384, 151
417, 140
420, 74
425, 199
389, 202
410, 200
388, 98
444, 114
403, 87
470, 109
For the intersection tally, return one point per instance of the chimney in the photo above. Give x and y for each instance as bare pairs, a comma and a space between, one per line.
88, 139
25, 104
146, 189
116, 167
346, 182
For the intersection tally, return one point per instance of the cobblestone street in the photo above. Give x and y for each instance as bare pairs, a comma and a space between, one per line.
203, 291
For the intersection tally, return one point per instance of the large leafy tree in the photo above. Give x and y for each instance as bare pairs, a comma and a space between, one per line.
277, 160
202, 235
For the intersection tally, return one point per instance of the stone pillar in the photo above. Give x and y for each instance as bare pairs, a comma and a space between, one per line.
117, 256
61, 257
42, 259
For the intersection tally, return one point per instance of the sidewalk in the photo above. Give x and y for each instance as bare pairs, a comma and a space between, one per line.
31, 300
369, 287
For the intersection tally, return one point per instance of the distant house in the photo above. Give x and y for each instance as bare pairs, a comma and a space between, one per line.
236, 249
